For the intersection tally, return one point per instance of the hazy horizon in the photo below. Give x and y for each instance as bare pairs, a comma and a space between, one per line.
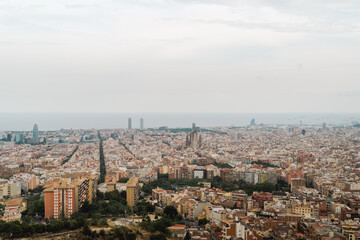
56, 121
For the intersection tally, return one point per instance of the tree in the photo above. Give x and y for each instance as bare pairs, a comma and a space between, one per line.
143, 208
170, 211
130, 236
187, 236
123, 180
86, 230
38, 189
165, 175
35, 206
2, 207
157, 237
102, 160
178, 218
103, 222
122, 232
162, 224
94, 222
203, 221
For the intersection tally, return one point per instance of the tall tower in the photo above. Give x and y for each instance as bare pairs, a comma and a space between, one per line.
129, 123
194, 138
141, 123
36, 135
252, 122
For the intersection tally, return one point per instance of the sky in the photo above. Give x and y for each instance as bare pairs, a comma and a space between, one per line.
179, 56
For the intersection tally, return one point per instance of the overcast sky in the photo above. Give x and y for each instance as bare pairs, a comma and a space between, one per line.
179, 56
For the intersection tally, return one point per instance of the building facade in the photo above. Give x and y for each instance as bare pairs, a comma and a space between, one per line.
68, 195
132, 191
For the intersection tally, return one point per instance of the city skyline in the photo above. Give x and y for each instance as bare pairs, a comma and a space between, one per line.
57, 121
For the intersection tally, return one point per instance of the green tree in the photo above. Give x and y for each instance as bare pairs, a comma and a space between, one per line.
103, 222
38, 189
157, 237
94, 222
165, 175
86, 230
2, 208
130, 236
102, 160
143, 208
122, 232
187, 236
123, 180
35, 206
203, 221
170, 211
162, 224
178, 218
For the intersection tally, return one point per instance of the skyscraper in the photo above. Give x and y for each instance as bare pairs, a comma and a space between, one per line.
252, 123
35, 135
141, 123
129, 123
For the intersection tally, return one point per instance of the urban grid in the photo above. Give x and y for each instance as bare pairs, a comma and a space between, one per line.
255, 182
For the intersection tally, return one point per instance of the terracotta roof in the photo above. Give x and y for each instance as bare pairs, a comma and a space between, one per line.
12, 204
177, 226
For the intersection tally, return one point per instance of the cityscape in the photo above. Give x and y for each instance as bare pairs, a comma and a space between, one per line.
179, 120
245, 182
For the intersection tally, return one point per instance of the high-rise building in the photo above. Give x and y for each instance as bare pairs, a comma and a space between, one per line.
132, 191
129, 123
19, 138
68, 195
324, 126
32, 183
35, 139
141, 123
252, 122
8, 137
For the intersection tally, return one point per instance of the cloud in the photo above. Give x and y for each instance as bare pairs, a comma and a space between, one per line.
11, 6
284, 27
81, 5
353, 93
185, 55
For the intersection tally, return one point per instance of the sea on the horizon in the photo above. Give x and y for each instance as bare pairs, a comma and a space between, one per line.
57, 121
